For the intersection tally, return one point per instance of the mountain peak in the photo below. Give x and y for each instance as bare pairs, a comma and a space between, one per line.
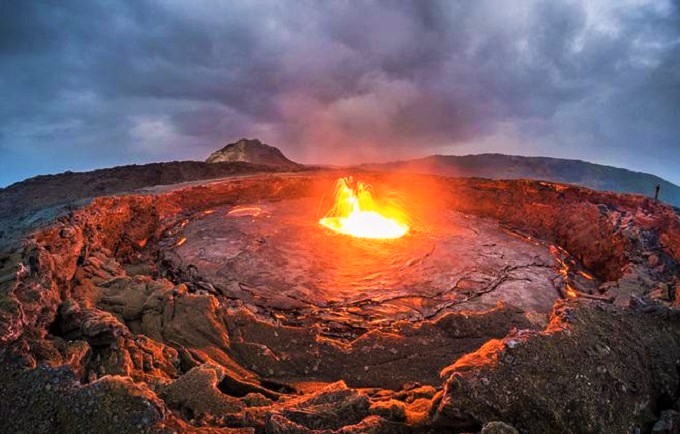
252, 151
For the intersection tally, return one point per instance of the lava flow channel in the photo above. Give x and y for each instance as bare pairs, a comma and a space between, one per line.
357, 214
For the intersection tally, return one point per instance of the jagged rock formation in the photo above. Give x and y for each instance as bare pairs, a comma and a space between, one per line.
100, 333
252, 151
584, 386
499, 166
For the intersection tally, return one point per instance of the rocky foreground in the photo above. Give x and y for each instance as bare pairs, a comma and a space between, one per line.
98, 333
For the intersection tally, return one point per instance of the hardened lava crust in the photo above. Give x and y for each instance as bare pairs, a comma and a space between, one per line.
224, 307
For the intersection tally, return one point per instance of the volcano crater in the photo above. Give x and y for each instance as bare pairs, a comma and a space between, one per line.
275, 256
237, 277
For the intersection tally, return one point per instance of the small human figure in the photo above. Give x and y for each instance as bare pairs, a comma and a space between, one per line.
656, 191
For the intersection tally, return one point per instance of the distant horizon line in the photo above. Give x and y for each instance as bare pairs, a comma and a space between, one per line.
93, 169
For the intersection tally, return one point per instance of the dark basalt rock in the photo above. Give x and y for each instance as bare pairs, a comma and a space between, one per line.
596, 368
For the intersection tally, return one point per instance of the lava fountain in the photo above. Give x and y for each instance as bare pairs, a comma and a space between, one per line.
357, 214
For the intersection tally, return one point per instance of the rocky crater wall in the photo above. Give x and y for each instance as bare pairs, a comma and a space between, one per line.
95, 337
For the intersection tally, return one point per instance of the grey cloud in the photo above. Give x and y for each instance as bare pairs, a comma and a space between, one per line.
100, 83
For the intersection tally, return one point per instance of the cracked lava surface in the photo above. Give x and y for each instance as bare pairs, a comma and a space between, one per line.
276, 257
226, 307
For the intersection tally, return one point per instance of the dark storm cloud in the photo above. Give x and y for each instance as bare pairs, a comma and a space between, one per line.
88, 84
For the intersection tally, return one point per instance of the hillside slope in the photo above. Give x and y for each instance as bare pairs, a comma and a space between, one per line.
500, 166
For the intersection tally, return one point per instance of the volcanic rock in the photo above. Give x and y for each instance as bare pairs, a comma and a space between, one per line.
498, 428
107, 324
36, 201
560, 380
196, 394
252, 151
55, 401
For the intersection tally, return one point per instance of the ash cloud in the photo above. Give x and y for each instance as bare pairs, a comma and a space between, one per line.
91, 84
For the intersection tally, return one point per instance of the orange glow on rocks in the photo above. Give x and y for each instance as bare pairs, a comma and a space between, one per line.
245, 211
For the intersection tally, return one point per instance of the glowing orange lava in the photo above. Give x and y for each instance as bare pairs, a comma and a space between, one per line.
356, 213
245, 211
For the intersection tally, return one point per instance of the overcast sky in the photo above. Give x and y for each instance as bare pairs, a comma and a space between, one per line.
88, 84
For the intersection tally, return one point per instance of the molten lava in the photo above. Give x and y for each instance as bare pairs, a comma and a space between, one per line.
356, 213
